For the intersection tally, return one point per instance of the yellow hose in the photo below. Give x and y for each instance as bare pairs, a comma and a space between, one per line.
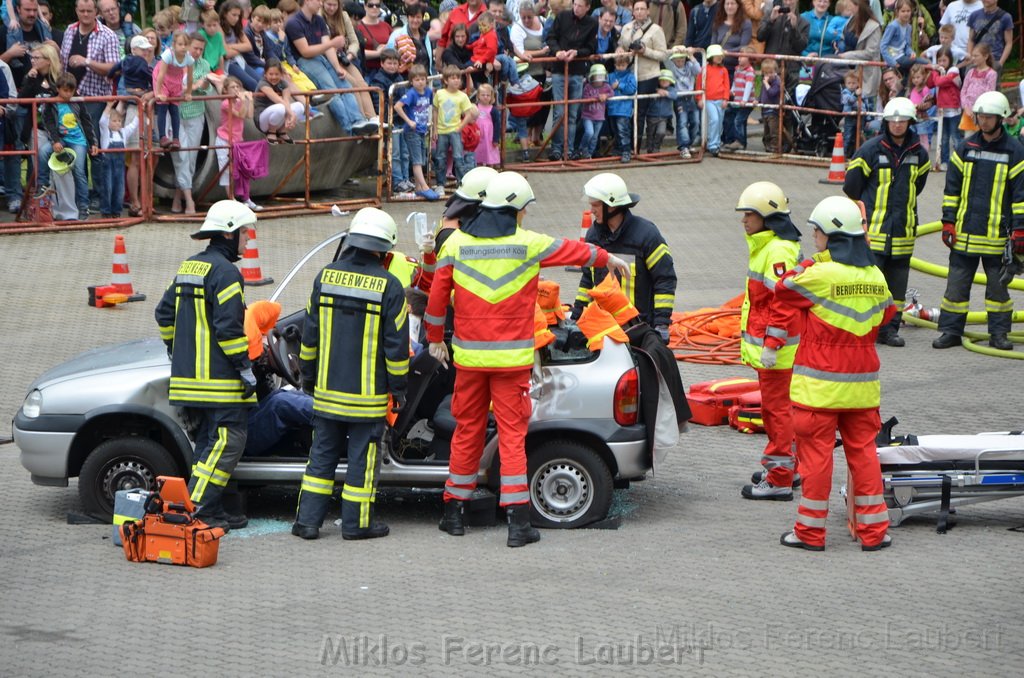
943, 271
971, 339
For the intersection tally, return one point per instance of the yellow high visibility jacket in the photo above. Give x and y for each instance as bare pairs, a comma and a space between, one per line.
770, 258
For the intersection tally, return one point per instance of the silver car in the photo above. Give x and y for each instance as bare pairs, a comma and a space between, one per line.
104, 418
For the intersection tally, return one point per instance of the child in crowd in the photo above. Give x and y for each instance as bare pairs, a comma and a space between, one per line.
771, 95
485, 48
276, 30
716, 95
452, 110
594, 112
257, 32
414, 109
114, 135
138, 76
850, 96
620, 113
458, 53
385, 77
946, 34
192, 12
163, 24
660, 110
895, 46
685, 68
734, 127
489, 122
275, 112
172, 79
233, 112
193, 122
215, 50
947, 98
980, 79
923, 96
69, 126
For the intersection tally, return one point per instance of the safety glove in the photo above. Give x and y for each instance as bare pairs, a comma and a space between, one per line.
439, 352
397, 402
617, 265
948, 235
1017, 241
769, 357
248, 383
662, 331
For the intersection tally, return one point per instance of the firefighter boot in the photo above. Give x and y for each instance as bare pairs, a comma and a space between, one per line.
1001, 342
305, 531
765, 490
452, 522
758, 476
947, 341
520, 532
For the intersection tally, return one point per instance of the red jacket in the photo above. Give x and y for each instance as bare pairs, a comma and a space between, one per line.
485, 49
717, 88
459, 15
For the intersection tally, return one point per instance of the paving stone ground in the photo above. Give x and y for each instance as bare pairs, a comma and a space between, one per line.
693, 582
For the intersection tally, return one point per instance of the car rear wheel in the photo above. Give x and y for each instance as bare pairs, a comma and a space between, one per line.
121, 464
570, 485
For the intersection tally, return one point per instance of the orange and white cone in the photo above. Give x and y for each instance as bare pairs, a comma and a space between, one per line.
837, 168
120, 276
585, 223
251, 271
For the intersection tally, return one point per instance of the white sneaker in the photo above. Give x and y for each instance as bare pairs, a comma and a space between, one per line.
685, 154
253, 206
765, 490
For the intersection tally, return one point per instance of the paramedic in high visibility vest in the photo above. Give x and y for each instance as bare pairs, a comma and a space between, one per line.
841, 298
652, 288
887, 174
354, 353
491, 265
201, 318
774, 244
982, 208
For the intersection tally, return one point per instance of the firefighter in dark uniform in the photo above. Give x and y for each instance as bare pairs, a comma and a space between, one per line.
201, 318
887, 174
652, 286
354, 353
983, 208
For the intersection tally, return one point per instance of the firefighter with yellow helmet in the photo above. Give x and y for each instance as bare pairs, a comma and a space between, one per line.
354, 354
201, 318
839, 300
774, 244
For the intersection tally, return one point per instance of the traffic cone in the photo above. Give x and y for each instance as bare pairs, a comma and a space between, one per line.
251, 271
585, 223
121, 277
837, 169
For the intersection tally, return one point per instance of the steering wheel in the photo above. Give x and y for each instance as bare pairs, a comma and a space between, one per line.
283, 363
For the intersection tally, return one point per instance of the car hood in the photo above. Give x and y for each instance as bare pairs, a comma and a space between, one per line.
127, 356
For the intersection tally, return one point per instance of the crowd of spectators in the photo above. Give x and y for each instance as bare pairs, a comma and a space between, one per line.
528, 51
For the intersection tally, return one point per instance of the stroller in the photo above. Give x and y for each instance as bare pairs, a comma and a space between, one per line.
816, 131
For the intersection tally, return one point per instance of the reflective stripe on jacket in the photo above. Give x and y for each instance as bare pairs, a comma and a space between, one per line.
201, 318
888, 180
770, 258
842, 307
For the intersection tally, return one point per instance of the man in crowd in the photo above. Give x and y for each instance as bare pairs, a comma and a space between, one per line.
110, 15
573, 35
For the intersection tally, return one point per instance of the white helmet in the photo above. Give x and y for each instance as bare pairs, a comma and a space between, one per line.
224, 217
372, 229
508, 189
474, 183
900, 109
838, 214
992, 103
610, 189
763, 197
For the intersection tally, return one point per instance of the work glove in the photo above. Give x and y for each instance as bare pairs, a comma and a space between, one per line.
1017, 241
662, 331
428, 243
616, 265
948, 235
170, 349
397, 402
769, 357
439, 352
248, 383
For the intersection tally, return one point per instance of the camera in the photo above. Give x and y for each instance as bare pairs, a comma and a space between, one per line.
783, 8
636, 45
344, 60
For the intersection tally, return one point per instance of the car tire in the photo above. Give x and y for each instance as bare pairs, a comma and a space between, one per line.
570, 485
121, 464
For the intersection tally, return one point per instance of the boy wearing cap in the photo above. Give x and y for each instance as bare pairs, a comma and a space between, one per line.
69, 126
685, 68
660, 110
597, 90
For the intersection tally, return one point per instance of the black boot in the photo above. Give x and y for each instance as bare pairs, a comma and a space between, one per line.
452, 522
520, 532
376, 530
895, 340
1001, 342
947, 341
305, 531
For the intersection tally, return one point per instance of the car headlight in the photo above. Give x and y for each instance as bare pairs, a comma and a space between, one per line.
33, 404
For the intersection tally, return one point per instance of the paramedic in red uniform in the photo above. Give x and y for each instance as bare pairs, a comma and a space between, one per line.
492, 266
842, 299
774, 244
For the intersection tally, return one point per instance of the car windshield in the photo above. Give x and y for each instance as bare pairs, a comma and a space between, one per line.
293, 292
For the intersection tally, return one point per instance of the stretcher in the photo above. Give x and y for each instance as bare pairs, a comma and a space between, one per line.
936, 473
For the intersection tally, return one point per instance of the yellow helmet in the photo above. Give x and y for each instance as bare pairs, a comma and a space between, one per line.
763, 197
837, 214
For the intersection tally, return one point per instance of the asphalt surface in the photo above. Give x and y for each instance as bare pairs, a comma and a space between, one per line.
694, 580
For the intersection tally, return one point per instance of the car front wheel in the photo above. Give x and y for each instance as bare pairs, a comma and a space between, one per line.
570, 485
121, 464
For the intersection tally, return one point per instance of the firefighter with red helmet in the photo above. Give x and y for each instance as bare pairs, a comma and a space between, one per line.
841, 299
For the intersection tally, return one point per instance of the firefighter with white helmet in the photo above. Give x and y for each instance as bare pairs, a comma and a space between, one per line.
615, 228
491, 266
982, 215
201, 319
354, 356
774, 244
887, 174
837, 300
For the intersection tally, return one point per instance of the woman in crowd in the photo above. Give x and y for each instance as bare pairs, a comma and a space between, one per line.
235, 44
819, 18
373, 36
645, 40
731, 29
528, 44
862, 38
340, 23
40, 83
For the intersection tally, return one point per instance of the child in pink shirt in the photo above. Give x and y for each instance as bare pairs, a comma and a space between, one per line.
173, 69
234, 111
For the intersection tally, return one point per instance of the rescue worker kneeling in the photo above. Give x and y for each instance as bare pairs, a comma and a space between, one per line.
841, 299
492, 266
358, 309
